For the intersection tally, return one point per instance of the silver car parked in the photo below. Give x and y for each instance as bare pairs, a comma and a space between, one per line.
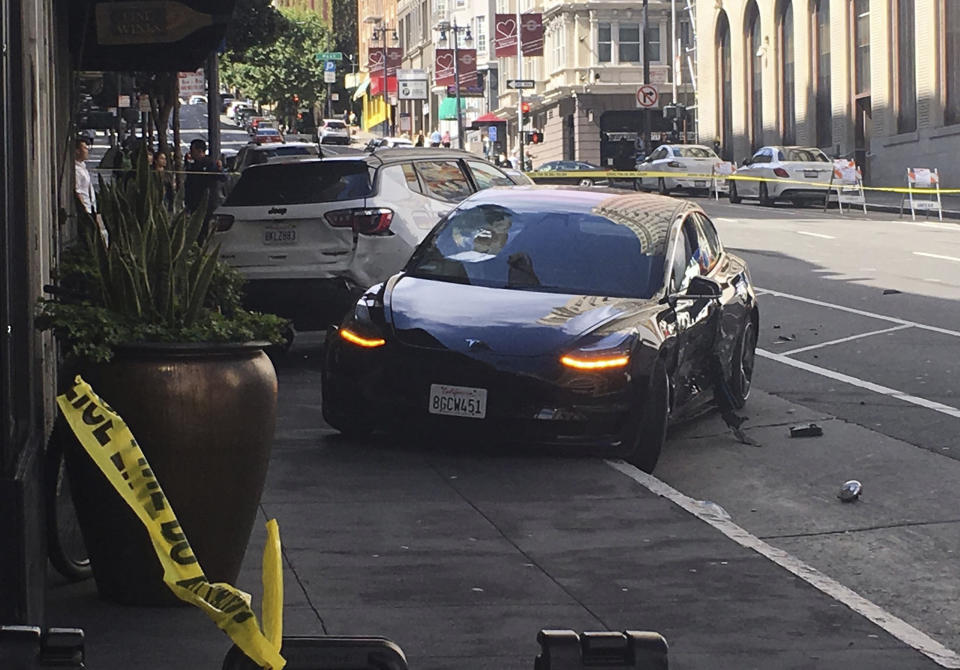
310, 235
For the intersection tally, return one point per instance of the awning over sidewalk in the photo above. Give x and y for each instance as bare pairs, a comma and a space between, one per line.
148, 35
448, 109
361, 89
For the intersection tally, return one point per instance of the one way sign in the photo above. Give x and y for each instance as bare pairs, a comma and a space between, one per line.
647, 96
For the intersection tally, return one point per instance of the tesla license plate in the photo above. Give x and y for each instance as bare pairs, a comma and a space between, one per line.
285, 236
458, 401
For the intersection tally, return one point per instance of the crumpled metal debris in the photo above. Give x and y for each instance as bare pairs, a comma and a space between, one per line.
734, 421
850, 491
809, 430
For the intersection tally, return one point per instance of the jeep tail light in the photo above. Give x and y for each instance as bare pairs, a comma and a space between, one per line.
780, 172
369, 221
223, 222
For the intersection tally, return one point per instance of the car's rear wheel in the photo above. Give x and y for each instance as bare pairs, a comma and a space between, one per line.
651, 433
741, 367
732, 194
662, 186
586, 182
765, 199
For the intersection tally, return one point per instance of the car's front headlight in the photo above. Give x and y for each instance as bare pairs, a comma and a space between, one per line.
600, 352
364, 328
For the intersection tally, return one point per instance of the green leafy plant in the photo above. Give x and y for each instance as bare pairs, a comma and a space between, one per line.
147, 275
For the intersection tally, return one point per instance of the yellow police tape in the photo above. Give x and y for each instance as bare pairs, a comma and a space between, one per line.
109, 442
634, 174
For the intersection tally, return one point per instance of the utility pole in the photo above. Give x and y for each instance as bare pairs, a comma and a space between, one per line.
646, 78
675, 51
520, 91
213, 106
386, 96
456, 82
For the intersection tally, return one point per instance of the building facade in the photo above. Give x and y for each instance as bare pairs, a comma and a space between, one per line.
585, 100
876, 80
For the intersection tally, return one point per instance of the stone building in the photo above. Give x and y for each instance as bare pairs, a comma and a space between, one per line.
878, 80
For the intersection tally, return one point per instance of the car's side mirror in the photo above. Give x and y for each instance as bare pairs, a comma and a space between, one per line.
699, 288
745, 162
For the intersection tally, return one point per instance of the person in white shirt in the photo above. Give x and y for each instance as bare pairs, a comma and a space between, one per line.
84, 185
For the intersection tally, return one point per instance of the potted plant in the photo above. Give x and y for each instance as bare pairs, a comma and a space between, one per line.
149, 316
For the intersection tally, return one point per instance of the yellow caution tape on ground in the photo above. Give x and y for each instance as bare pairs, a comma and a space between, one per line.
634, 174
109, 442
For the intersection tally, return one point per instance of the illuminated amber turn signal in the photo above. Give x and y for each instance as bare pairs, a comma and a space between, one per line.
353, 338
595, 363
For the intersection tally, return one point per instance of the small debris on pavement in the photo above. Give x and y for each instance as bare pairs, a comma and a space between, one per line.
808, 430
850, 491
890, 291
734, 421
711, 508
776, 326
786, 338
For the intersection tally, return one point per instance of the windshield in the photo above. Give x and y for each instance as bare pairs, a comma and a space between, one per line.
335, 125
806, 156
579, 253
299, 183
694, 152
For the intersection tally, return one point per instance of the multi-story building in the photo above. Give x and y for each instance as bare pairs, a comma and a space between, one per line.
587, 80
878, 80
376, 18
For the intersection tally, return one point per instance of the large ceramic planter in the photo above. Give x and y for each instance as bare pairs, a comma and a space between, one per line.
204, 416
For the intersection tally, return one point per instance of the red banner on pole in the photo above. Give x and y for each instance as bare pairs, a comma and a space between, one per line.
531, 34
443, 71
467, 66
394, 60
375, 59
505, 35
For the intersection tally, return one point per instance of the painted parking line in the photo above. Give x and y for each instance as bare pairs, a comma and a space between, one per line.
938, 256
820, 235
862, 383
841, 340
852, 310
894, 625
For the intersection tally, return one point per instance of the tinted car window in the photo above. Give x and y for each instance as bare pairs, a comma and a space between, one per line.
806, 155
444, 180
558, 252
300, 183
693, 152
410, 176
487, 176
709, 241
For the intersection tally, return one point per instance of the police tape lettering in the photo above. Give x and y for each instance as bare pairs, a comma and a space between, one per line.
110, 444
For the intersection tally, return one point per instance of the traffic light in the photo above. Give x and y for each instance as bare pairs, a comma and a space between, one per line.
532, 136
525, 112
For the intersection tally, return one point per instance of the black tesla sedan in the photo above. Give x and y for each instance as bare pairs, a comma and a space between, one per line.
554, 316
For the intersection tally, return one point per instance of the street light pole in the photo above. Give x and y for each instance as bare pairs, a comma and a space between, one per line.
646, 77
456, 84
520, 91
386, 96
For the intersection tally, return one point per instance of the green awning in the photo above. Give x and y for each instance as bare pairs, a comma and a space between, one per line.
448, 109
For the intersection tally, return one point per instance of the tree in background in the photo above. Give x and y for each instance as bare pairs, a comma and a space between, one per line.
255, 23
277, 72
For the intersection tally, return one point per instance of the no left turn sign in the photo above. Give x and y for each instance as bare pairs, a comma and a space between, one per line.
647, 96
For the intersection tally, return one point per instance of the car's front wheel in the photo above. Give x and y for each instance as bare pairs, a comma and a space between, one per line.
765, 199
644, 451
741, 367
662, 187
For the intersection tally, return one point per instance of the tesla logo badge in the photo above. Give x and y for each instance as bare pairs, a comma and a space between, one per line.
476, 345
277, 210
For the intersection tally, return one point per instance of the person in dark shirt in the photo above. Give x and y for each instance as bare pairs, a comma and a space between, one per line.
204, 177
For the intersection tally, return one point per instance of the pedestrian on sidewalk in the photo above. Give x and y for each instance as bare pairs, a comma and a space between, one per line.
204, 177
435, 138
446, 139
84, 185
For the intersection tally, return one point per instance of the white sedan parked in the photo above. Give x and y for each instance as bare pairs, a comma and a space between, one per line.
694, 159
797, 174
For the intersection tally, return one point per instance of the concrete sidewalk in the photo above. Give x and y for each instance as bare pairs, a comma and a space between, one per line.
461, 558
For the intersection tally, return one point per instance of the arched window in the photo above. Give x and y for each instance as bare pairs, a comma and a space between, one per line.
906, 71
788, 115
755, 53
821, 72
725, 86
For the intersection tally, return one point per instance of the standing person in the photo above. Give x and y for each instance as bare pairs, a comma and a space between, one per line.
166, 179
435, 138
446, 139
203, 181
419, 141
84, 185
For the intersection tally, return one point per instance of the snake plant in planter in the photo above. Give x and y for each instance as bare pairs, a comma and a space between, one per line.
154, 322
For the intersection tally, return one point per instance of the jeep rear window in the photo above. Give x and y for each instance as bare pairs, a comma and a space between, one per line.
301, 183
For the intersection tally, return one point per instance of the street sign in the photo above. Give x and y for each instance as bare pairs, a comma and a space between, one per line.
492, 133
403, 75
329, 55
647, 96
329, 66
466, 91
521, 83
329, 77
413, 89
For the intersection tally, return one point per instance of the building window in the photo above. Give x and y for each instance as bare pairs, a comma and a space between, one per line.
604, 43
906, 72
559, 46
424, 23
861, 41
628, 48
821, 54
480, 34
755, 54
653, 43
726, 86
461, 4
787, 95
441, 7
951, 22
